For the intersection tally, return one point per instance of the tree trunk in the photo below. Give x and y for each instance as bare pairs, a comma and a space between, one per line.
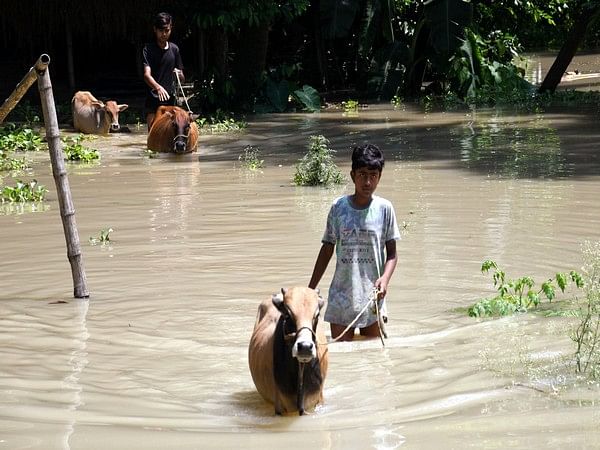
568, 50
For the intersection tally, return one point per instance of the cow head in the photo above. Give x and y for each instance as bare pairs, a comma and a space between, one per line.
300, 309
108, 111
113, 110
181, 121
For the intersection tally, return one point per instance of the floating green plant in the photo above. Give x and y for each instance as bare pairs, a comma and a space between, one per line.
74, 150
24, 192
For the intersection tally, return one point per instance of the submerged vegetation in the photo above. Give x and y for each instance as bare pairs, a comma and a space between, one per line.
317, 167
520, 294
250, 158
103, 237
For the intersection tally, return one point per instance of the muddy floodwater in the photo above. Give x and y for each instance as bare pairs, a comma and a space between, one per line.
156, 358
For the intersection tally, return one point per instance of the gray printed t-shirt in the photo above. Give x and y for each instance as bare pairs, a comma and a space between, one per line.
359, 236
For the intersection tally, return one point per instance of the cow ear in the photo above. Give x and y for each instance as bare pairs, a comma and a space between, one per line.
277, 300
122, 107
193, 117
321, 302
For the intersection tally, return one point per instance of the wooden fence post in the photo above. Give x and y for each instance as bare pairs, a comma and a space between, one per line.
67, 210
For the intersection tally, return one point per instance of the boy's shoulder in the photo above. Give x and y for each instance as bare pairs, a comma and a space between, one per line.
382, 201
340, 200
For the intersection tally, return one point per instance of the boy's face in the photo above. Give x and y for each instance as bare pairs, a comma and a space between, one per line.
365, 181
163, 34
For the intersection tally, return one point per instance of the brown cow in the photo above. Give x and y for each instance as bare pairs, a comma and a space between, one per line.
288, 352
173, 130
91, 116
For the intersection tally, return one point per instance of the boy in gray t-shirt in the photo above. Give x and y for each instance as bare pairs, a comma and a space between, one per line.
362, 229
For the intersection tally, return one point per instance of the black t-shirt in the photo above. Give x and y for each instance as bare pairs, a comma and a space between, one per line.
162, 62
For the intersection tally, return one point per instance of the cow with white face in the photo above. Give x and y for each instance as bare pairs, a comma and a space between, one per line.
91, 116
288, 352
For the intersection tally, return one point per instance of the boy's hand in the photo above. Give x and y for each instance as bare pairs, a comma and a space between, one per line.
381, 286
162, 94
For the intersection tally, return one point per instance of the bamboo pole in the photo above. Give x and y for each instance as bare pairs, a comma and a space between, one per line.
67, 210
23, 86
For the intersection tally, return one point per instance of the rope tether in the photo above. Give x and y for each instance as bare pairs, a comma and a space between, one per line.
372, 299
182, 91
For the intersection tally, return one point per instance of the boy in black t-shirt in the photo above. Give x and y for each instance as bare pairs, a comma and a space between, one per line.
162, 61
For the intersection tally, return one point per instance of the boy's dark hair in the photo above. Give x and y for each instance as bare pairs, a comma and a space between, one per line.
162, 20
367, 155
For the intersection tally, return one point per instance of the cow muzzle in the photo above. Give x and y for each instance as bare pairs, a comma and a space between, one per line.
304, 349
115, 126
180, 143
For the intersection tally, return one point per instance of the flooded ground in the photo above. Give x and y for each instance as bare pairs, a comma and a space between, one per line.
156, 358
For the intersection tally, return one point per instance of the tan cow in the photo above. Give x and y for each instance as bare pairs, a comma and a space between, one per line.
91, 116
173, 130
288, 351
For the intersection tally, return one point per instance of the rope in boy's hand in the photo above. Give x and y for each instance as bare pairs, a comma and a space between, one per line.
373, 302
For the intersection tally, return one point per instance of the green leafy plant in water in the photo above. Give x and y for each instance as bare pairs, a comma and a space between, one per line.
24, 192
150, 153
221, 122
250, 158
350, 106
103, 237
8, 162
317, 166
519, 295
587, 333
75, 151
397, 101
19, 139
309, 97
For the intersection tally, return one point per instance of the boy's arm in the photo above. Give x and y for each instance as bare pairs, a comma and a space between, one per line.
321, 264
388, 269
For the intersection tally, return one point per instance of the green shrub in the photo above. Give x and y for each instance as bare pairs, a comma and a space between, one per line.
317, 167
587, 333
519, 295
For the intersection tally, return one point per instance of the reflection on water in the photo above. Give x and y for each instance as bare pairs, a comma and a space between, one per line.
157, 357
513, 149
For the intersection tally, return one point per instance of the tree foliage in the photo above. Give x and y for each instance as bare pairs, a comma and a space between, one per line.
236, 49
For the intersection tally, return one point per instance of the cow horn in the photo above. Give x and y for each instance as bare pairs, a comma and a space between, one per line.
284, 291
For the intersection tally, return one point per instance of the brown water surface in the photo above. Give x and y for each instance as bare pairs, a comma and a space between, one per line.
156, 358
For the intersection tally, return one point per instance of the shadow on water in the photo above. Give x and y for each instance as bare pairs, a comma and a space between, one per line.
501, 143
